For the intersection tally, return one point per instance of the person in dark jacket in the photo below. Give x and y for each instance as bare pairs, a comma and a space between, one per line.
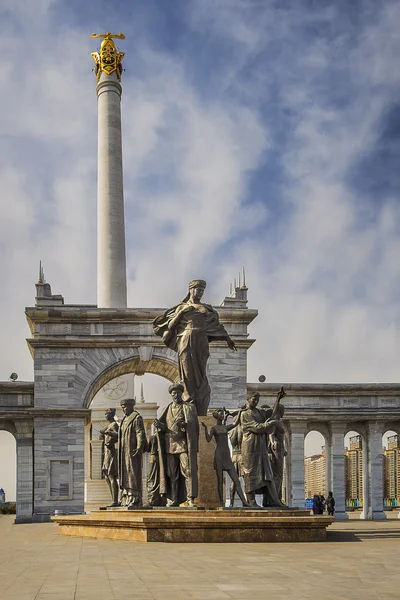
330, 504
316, 507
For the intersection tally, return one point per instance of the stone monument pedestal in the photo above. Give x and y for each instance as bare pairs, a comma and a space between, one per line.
185, 525
208, 490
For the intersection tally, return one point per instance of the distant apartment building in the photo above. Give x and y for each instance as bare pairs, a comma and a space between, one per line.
353, 467
391, 471
315, 474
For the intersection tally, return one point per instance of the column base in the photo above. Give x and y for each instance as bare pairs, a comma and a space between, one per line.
19, 520
377, 515
341, 515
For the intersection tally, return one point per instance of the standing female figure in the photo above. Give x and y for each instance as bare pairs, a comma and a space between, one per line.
110, 462
188, 328
222, 457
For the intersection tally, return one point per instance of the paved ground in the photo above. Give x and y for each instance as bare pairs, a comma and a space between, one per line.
359, 561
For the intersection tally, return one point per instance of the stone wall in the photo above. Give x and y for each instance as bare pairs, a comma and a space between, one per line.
58, 442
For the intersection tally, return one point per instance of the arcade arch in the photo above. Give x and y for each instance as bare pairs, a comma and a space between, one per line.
391, 469
119, 381
158, 365
8, 461
354, 469
315, 463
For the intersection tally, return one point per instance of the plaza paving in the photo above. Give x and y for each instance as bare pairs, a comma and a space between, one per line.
359, 561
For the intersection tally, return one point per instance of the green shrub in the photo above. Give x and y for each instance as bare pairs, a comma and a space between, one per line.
9, 509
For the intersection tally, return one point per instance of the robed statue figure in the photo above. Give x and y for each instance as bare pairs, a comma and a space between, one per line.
188, 328
177, 432
257, 469
132, 443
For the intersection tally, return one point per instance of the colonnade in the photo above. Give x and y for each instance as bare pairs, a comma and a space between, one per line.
334, 432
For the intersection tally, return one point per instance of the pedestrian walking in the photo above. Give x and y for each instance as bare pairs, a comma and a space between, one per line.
330, 504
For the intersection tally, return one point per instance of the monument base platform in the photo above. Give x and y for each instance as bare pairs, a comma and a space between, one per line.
182, 526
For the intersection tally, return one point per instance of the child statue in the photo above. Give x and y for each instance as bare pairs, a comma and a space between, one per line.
222, 457
109, 435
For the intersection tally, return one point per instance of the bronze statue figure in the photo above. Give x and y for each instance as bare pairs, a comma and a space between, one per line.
109, 435
188, 328
222, 458
178, 437
131, 445
236, 436
154, 497
277, 450
257, 470
276, 440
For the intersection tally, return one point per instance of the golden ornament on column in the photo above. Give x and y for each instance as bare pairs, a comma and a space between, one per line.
108, 60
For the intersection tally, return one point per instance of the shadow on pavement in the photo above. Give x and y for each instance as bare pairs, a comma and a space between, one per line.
360, 536
342, 536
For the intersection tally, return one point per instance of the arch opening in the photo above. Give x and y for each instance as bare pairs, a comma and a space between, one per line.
315, 466
8, 467
164, 367
150, 391
354, 465
391, 469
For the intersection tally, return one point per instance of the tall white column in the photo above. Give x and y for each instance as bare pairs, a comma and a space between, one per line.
111, 254
24, 437
375, 471
297, 434
337, 483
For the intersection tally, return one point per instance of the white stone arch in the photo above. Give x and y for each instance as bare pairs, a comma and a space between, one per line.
8, 426
391, 483
145, 359
323, 429
21, 430
361, 429
140, 360
391, 426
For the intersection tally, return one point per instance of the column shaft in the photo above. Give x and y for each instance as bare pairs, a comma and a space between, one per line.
375, 471
337, 469
297, 433
24, 502
111, 276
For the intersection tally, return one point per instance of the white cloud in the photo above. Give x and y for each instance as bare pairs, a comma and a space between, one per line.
325, 279
188, 160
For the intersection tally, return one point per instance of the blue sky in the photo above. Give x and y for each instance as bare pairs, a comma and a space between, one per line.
255, 132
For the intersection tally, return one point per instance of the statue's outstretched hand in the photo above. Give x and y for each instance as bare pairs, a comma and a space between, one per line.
231, 344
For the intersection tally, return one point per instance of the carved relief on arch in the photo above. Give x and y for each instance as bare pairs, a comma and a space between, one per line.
159, 362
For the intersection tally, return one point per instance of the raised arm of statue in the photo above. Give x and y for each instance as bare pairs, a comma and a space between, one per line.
208, 434
249, 424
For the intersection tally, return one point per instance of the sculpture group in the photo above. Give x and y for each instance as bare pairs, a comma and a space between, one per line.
256, 434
